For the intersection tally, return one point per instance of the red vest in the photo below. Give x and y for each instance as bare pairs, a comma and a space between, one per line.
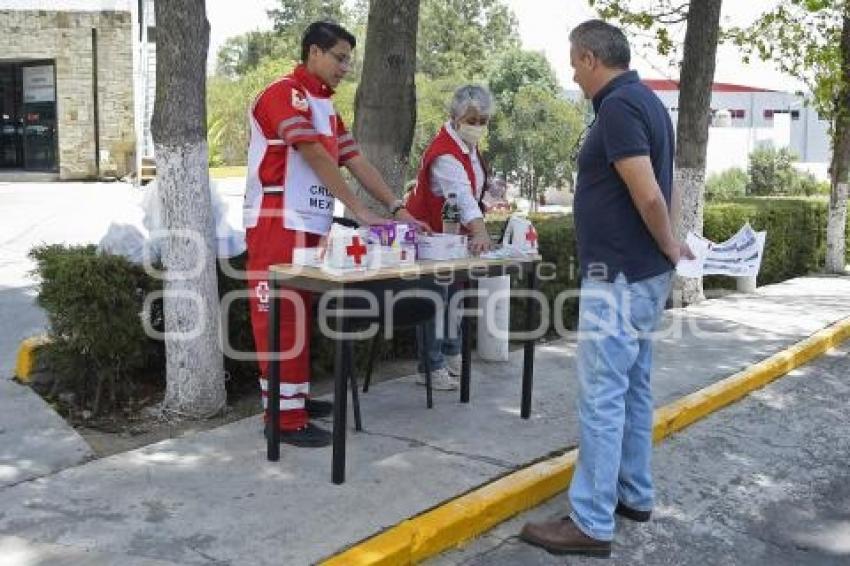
422, 203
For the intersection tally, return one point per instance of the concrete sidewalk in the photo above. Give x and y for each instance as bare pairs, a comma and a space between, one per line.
213, 498
34, 441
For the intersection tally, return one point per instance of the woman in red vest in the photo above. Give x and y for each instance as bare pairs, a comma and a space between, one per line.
452, 164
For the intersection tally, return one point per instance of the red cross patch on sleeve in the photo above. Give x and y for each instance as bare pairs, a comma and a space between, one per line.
298, 101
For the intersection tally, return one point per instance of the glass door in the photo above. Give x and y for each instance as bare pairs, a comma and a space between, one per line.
39, 116
11, 124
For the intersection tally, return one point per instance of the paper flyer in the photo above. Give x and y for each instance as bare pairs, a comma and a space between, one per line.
739, 256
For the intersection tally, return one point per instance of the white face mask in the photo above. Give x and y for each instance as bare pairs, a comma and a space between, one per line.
469, 133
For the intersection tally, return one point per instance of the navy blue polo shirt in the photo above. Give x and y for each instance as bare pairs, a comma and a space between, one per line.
612, 237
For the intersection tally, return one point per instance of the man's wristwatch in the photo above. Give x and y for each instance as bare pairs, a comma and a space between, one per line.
396, 206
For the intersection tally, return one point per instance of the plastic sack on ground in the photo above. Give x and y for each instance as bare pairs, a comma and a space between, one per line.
230, 238
125, 240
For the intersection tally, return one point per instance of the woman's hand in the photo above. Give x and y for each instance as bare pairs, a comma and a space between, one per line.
480, 243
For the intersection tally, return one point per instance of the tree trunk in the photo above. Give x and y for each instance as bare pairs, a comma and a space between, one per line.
194, 363
385, 104
837, 223
696, 78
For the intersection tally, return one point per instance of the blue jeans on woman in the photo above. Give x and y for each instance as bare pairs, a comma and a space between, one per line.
614, 362
433, 348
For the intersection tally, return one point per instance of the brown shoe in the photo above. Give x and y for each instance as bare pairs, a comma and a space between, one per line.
564, 537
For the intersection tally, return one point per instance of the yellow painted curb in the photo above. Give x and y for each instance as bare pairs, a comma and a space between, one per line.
470, 515
26, 357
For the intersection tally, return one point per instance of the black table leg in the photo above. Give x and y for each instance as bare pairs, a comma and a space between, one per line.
273, 393
424, 333
466, 343
531, 310
341, 371
355, 395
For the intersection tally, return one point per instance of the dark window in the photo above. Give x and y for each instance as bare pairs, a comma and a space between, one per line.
795, 114
768, 114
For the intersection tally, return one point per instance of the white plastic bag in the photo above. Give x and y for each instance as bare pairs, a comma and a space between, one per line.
125, 240
520, 235
230, 239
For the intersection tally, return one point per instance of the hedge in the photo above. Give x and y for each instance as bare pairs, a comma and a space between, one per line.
94, 302
99, 351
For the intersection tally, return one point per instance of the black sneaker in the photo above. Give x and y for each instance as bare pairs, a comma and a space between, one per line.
632, 514
318, 409
308, 436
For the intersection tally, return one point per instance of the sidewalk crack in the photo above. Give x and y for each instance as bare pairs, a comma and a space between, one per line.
416, 443
478, 557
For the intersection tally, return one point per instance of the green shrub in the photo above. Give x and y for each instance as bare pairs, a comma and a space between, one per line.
772, 173
94, 306
731, 183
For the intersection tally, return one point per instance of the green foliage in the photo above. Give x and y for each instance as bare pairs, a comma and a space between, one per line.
459, 37
291, 17
534, 127
802, 38
94, 306
515, 69
647, 26
731, 183
241, 54
771, 172
543, 129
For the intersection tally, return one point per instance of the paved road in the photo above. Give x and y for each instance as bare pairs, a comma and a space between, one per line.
766, 481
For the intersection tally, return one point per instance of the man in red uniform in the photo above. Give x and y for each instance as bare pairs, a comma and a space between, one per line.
298, 142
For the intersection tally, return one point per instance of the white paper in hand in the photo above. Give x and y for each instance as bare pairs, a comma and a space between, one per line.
693, 267
739, 256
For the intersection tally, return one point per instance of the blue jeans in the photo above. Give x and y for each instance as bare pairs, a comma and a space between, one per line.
614, 361
433, 348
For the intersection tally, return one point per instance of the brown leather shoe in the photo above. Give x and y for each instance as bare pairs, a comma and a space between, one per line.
563, 537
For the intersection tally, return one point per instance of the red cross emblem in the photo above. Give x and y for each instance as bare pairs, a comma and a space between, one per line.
262, 291
531, 236
356, 250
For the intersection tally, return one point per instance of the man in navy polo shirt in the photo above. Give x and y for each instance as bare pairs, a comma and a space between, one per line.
627, 252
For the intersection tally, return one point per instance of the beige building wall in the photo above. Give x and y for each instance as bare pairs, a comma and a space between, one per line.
66, 37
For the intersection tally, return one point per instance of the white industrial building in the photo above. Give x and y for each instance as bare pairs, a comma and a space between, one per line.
744, 118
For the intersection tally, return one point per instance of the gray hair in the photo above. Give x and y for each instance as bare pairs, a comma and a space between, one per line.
472, 96
608, 43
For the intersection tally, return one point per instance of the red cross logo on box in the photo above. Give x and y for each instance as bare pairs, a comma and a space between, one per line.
531, 236
356, 250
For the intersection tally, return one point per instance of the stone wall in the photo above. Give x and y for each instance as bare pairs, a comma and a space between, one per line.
66, 37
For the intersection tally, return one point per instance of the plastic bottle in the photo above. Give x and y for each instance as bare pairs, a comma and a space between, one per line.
451, 215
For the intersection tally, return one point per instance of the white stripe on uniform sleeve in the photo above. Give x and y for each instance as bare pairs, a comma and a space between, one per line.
300, 133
